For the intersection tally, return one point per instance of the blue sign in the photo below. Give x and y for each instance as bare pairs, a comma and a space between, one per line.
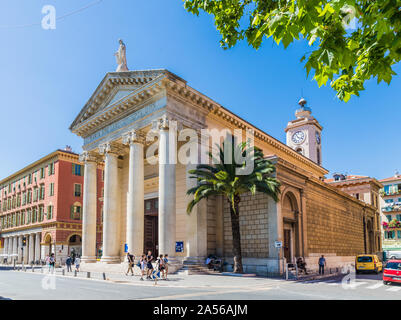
126, 248
179, 246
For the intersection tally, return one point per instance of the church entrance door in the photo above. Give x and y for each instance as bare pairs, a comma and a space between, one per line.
151, 232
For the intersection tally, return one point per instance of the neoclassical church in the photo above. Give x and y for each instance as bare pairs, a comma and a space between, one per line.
144, 199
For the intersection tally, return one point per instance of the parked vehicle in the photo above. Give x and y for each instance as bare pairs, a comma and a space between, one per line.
393, 255
392, 272
368, 262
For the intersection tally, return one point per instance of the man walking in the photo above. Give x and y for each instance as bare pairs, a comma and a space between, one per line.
322, 264
68, 263
130, 259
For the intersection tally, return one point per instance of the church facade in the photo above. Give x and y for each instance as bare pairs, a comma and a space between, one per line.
127, 124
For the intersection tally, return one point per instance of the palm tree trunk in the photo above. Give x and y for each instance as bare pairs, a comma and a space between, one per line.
236, 237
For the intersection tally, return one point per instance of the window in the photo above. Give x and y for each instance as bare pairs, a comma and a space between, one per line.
29, 178
77, 190
76, 169
29, 200
389, 235
28, 216
398, 217
76, 212
22, 217
34, 215
50, 171
24, 198
399, 234
318, 156
49, 212
35, 194
389, 201
42, 173
51, 193
42, 192
389, 218
41, 213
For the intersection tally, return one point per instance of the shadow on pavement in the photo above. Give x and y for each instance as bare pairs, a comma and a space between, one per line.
2, 298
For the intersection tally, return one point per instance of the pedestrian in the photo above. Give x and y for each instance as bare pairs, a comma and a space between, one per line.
77, 263
142, 265
68, 263
301, 265
165, 266
322, 264
52, 262
160, 266
149, 265
130, 259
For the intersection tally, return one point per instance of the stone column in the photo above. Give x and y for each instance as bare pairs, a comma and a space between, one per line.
89, 208
10, 248
135, 195
6, 246
167, 189
38, 239
19, 249
111, 230
31, 248
15, 248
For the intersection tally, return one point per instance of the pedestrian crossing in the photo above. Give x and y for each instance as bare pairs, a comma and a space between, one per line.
355, 284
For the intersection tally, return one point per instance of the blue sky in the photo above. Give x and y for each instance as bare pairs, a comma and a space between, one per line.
48, 75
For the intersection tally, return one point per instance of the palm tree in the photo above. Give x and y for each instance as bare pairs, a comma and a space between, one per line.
224, 179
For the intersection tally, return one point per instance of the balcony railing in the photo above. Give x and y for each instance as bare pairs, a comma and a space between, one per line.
392, 208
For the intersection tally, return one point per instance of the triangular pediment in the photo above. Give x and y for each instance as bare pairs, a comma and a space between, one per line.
114, 87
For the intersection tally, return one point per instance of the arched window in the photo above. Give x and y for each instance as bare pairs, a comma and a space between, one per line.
76, 211
299, 150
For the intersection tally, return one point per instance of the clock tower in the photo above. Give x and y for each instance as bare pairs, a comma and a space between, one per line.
304, 134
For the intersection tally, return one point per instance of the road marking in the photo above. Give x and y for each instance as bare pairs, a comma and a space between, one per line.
375, 286
334, 284
394, 289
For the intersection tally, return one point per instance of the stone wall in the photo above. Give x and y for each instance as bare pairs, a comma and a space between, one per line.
253, 224
334, 223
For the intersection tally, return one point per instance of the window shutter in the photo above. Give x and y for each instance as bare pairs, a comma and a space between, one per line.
73, 167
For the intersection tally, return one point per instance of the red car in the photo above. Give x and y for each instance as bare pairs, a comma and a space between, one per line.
392, 272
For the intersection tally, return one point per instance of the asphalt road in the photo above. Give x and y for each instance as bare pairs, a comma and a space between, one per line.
24, 286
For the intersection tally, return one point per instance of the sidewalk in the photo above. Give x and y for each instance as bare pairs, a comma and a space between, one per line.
177, 281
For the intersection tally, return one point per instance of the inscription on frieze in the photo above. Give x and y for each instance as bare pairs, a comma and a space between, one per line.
137, 115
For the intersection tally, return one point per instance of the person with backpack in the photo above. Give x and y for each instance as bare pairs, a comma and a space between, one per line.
160, 266
52, 262
130, 259
68, 263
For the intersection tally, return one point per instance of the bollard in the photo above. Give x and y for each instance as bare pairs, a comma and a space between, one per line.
33, 269
63, 272
88, 274
104, 276
41, 270
75, 273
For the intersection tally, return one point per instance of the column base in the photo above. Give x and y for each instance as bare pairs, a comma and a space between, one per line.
89, 259
110, 259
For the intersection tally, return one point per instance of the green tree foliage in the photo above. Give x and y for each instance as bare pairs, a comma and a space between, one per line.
352, 41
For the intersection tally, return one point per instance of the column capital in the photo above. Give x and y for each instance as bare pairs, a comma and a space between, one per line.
134, 136
110, 148
163, 123
88, 156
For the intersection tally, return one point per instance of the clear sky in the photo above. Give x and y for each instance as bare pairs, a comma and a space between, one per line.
48, 75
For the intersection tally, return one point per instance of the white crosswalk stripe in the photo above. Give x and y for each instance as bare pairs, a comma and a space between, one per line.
394, 289
375, 286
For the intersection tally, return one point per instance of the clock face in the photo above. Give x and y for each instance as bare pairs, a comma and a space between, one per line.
298, 137
317, 137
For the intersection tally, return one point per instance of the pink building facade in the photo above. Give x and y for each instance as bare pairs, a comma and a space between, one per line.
41, 206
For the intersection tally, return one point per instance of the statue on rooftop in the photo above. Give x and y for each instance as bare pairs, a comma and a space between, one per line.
121, 58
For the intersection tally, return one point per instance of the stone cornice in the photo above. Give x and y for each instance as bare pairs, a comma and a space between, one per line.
54, 156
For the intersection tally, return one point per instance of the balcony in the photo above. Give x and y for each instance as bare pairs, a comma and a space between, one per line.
394, 207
